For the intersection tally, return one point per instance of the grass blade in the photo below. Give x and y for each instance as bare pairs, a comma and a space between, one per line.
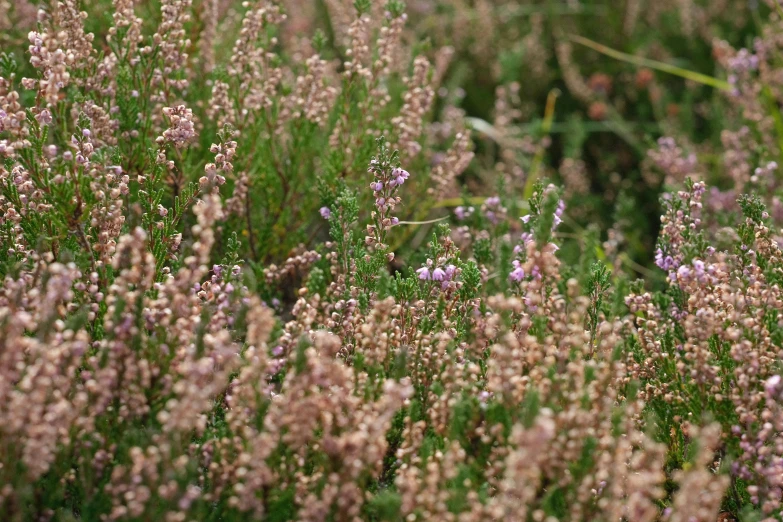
652, 64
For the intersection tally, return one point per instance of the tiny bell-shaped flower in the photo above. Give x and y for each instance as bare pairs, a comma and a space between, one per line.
424, 273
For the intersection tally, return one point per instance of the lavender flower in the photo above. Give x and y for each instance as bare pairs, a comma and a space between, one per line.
463, 213
558, 214
518, 273
400, 175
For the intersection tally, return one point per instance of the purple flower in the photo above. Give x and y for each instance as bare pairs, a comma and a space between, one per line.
325, 212
558, 214
560, 208
518, 274
438, 274
525, 218
698, 266
400, 175
424, 273
664, 263
450, 269
462, 212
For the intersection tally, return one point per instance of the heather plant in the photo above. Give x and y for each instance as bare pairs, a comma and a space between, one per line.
256, 267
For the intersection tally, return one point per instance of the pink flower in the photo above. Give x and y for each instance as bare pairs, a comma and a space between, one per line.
44, 117
438, 274
424, 273
325, 212
771, 385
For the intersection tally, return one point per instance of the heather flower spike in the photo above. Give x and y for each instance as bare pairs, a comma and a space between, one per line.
386, 185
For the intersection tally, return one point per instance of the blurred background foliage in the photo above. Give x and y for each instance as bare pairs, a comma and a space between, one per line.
527, 76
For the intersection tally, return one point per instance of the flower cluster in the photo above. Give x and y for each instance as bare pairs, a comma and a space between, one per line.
182, 129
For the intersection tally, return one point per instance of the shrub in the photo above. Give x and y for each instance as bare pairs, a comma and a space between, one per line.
256, 265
